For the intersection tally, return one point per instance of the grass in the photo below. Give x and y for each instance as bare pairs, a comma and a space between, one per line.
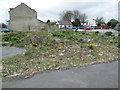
58, 49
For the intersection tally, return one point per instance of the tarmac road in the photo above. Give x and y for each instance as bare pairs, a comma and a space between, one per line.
95, 76
10, 51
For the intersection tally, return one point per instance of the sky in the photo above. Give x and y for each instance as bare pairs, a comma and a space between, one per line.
51, 9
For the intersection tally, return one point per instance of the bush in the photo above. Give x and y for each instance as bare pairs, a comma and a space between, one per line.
91, 47
30, 51
108, 33
96, 32
81, 40
118, 45
58, 34
5, 37
13, 39
83, 32
4, 44
72, 38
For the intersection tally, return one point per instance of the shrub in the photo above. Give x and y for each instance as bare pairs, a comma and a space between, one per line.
108, 33
97, 32
5, 37
91, 47
58, 34
74, 38
4, 44
83, 32
59, 48
30, 51
13, 39
81, 40
118, 45
66, 32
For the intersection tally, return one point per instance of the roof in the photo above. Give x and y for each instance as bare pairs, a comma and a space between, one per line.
64, 23
22, 4
41, 21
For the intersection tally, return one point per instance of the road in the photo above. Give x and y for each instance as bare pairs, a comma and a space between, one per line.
95, 76
102, 31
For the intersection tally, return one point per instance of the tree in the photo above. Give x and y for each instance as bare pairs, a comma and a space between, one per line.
77, 17
83, 18
112, 23
100, 21
66, 15
3, 25
76, 14
76, 23
48, 21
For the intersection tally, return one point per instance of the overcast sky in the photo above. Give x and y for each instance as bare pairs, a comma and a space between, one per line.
50, 9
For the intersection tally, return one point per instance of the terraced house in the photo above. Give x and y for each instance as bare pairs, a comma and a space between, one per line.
23, 17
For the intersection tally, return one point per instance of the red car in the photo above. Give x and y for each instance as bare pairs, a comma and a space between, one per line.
88, 28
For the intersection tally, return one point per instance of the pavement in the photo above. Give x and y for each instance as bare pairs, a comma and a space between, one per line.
7, 52
10, 51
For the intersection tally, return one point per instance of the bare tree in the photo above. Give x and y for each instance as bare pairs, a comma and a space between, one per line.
66, 15
3, 25
83, 18
100, 21
75, 15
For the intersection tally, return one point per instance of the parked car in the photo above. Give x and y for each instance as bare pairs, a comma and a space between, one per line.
82, 27
5, 30
88, 28
74, 27
102, 27
65, 27
93, 27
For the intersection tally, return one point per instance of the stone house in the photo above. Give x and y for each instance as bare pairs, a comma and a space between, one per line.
63, 24
23, 17
117, 27
92, 23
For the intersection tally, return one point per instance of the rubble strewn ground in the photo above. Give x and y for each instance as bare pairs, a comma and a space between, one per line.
57, 49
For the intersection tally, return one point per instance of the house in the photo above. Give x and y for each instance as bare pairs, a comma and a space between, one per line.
1, 26
92, 23
64, 24
117, 27
23, 17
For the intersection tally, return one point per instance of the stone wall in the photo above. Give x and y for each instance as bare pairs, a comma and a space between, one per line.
23, 17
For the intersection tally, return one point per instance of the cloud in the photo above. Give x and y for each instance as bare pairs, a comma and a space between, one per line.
108, 10
50, 9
